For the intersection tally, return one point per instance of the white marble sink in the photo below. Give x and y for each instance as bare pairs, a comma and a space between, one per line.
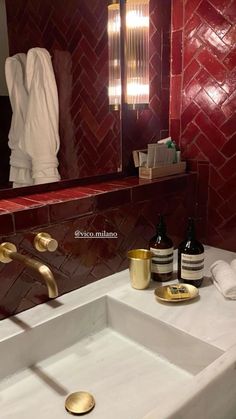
128, 360
139, 358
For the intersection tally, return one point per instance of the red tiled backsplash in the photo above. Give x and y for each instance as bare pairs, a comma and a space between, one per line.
127, 206
203, 106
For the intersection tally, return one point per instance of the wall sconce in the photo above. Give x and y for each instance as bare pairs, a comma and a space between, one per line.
113, 28
137, 53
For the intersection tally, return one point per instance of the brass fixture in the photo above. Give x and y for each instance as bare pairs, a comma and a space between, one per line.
140, 268
8, 252
175, 293
79, 403
44, 242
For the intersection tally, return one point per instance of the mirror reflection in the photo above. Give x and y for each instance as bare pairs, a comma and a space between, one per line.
67, 46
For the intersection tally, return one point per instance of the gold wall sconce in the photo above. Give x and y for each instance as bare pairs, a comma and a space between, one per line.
136, 54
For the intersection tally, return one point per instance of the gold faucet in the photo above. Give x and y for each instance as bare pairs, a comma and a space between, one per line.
8, 252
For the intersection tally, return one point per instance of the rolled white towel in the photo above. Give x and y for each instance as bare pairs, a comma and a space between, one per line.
224, 278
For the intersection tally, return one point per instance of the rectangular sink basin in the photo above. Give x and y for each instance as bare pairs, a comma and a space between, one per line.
128, 360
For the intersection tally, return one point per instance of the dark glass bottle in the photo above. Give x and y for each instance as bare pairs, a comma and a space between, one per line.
162, 248
191, 258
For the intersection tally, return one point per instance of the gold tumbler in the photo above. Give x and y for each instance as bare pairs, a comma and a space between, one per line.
140, 268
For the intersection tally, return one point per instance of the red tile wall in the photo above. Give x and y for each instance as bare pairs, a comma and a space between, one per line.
203, 107
75, 33
5, 117
128, 206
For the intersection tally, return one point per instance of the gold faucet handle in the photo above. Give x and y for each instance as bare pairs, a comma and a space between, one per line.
44, 242
6, 249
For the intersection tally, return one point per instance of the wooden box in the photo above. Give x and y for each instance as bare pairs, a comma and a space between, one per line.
161, 171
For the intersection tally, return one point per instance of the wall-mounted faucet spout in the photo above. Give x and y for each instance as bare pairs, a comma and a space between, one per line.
8, 252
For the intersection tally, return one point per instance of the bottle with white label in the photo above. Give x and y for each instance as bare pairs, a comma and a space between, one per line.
162, 249
191, 258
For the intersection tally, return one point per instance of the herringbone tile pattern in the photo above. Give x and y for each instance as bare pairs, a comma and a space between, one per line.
203, 102
75, 33
78, 262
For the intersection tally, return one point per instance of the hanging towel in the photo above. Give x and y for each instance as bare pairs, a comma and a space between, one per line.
20, 161
41, 135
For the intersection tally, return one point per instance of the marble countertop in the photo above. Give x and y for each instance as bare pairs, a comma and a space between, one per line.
210, 319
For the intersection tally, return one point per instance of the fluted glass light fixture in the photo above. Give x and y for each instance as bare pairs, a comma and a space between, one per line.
114, 89
137, 53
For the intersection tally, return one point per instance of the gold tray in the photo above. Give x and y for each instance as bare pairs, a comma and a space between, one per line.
175, 293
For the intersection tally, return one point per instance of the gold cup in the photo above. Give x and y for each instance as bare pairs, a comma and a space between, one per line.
140, 268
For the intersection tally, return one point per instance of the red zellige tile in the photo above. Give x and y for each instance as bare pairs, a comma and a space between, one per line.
213, 18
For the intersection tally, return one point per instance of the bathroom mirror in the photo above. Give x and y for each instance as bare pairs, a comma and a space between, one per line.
75, 34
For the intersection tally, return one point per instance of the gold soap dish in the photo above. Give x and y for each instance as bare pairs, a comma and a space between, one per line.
176, 293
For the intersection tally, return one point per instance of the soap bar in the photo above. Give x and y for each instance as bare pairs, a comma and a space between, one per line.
178, 292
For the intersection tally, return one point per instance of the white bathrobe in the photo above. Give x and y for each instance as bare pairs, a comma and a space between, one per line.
41, 134
20, 161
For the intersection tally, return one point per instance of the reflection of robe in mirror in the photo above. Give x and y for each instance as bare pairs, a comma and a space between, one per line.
41, 135
20, 161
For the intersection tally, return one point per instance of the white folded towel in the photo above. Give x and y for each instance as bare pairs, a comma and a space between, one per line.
224, 278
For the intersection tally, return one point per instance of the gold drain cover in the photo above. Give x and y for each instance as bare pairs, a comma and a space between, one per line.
79, 403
